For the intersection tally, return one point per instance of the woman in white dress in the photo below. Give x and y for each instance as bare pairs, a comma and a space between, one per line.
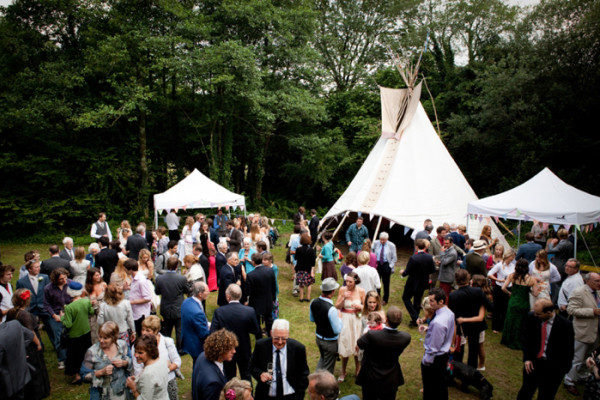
186, 235
350, 302
79, 266
540, 270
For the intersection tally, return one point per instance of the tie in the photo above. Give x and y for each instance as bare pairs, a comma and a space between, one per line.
279, 377
596, 298
543, 343
382, 254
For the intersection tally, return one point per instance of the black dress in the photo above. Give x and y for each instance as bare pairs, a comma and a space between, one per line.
39, 386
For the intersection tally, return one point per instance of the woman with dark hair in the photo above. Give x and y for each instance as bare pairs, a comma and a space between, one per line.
95, 287
39, 386
349, 264
518, 303
152, 382
562, 248
55, 299
350, 302
368, 247
326, 257
107, 364
305, 266
541, 273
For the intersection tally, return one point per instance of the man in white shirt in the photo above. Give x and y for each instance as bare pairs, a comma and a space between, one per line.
172, 221
573, 281
100, 228
369, 278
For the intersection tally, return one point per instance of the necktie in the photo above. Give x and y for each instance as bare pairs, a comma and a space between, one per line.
596, 298
543, 342
279, 377
382, 254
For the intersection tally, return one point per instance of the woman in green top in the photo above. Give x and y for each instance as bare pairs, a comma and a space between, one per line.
326, 257
75, 319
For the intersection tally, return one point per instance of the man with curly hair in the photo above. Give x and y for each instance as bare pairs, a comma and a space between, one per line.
209, 378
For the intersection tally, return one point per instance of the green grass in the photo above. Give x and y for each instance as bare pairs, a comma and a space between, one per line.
503, 366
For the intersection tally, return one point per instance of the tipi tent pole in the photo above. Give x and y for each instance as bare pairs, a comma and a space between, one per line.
340, 225
519, 234
155, 218
322, 230
377, 229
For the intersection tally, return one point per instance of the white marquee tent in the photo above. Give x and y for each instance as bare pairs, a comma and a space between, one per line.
409, 174
196, 191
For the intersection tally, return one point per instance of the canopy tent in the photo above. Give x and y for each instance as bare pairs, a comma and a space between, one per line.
196, 191
409, 174
545, 198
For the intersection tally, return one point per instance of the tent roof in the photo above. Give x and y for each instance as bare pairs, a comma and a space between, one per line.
197, 191
546, 198
410, 179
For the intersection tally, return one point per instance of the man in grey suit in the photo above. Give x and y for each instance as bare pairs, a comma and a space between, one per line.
583, 306
386, 259
54, 262
35, 283
234, 237
172, 286
67, 253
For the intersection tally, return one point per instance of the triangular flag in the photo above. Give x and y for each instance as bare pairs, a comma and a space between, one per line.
487, 220
184, 208
242, 207
496, 219
359, 214
226, 208
391, 224
595, 224
545, 225
284, 221
480, 218
556, 226
567, 226
406, 229
272, 221
518, 213
504, 217
526, 218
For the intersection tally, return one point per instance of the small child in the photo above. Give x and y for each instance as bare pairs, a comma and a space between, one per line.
375, 321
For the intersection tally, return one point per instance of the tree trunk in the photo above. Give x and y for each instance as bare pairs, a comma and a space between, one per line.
143, 165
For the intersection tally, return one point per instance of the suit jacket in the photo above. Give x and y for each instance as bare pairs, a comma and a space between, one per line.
528, 251
475, 264
194, 327
435, 248
261, 289
389, 249
107, 259
418, 269
207, 380
36, 306
65, 255
379, 365
241, 320
172, 286
236, 237
559, 350
53, 263
313, 227
581, 306
205, 264
296, 367
135, 243
226, 278
466, 302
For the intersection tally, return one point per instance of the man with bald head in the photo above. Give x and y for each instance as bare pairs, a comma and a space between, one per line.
547, 351
584, 307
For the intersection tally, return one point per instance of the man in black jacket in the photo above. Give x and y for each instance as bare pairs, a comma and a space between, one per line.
547, 351
262, 291
172, 286
419, 267
106, 259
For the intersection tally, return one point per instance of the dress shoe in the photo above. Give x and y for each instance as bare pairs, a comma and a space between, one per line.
572, 389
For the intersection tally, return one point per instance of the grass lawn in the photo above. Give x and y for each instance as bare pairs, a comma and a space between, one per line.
503, 366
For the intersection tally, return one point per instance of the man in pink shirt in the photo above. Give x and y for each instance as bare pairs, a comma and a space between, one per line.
139, 295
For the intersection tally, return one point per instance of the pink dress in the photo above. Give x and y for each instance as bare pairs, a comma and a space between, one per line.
373, 260
212, 274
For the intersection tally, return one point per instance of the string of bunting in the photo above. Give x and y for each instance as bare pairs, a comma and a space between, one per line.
516, 213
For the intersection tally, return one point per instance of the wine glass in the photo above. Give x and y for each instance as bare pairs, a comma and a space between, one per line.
270, 371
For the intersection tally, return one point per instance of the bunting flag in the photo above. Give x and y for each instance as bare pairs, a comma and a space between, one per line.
284, 221
226, 208
545, 225
518, 213
567, 226
392, 223
272, 221
480, 218
343, 214
595, 224
242, 208
526, 218
496, 219
406, 229
184, 208
504, 217
359, 213
556, 226
487, 220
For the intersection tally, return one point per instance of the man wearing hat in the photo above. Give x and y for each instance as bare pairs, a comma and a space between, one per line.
474, 261
329, 324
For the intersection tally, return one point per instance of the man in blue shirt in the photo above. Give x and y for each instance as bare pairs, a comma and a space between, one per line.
356, 235
329, 324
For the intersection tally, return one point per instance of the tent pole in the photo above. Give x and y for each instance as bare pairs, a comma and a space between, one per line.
468, 219
575, 244
377, 229
155, 218
340, 225
321, 230
519, 234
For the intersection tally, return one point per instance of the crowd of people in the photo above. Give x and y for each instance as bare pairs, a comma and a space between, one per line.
101, 311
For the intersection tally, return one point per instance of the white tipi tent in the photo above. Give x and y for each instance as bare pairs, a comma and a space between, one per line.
409, 174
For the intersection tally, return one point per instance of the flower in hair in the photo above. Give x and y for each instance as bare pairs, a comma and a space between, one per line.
230, 394
25, 295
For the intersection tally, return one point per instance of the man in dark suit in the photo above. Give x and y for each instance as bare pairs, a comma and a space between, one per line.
380, 373
313, 226
288, 358
136, 242
234, 237
262, 291
208, 378
547, 351
35, 283
54, 262
172, 286
528, 250
194, 326
418, 269
474, 262
468, 305
227, 277
241, 320
67, 253
106, 259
